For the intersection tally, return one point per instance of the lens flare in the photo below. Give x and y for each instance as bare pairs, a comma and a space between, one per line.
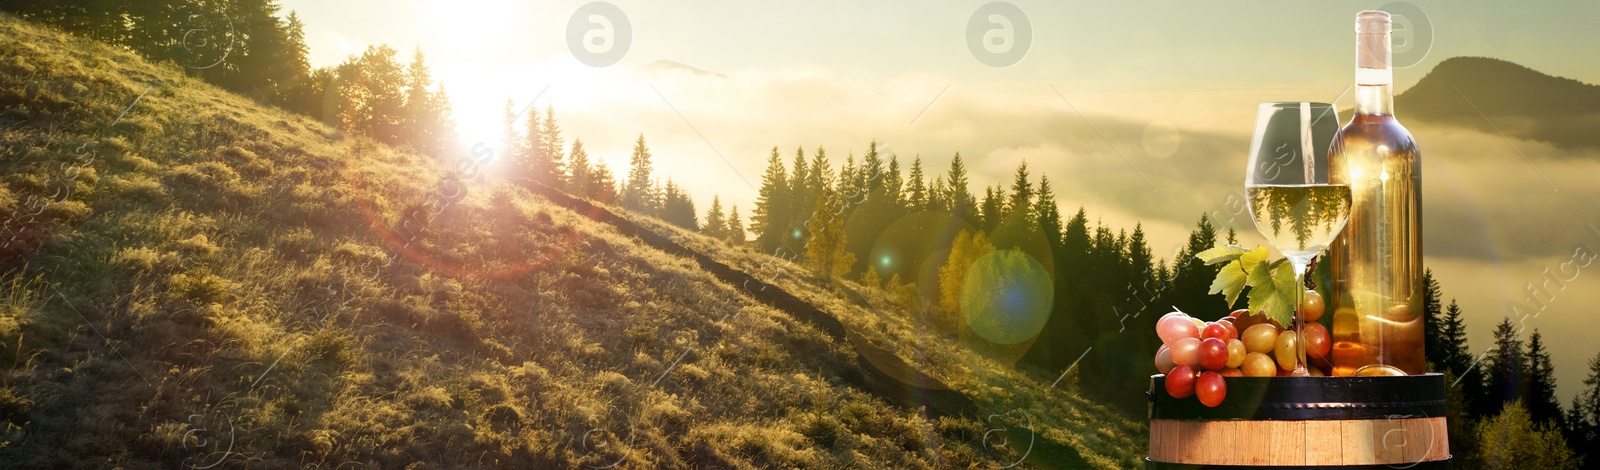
1006, 297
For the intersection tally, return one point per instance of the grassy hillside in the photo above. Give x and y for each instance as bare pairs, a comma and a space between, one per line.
190, 279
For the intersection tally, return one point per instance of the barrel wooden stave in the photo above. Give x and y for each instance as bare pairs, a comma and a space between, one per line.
1299, 443
1343, 422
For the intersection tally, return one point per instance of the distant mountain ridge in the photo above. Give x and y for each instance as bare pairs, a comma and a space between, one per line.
1491, 94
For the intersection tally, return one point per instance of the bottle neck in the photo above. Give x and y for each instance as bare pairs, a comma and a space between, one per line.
1374, 76
1374, 100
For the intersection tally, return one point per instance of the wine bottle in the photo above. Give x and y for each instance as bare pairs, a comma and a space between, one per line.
1375, 265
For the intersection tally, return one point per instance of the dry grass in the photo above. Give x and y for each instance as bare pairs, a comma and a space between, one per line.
207, 294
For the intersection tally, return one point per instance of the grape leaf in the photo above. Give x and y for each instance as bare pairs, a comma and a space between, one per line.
1272, 291
1221, 253
1233, 276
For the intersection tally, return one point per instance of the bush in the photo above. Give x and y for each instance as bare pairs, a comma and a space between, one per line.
1511, 440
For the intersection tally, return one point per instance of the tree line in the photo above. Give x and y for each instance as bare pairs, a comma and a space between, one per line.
1106, 283
1503, 407
250, 48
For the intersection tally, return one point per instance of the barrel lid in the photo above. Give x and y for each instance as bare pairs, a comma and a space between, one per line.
1309, 398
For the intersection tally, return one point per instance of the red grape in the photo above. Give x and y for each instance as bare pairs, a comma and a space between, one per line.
1210, 389
1186, 352
1213, 354
1318, 344
1215, 330
1180, 382
1164, 359
1237, 313
1174, 328
1232, 330
1312, 305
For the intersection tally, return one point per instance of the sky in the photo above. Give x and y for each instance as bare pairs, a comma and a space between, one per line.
1139, 111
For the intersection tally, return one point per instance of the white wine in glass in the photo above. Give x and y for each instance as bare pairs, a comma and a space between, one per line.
1300, 220
1287, 188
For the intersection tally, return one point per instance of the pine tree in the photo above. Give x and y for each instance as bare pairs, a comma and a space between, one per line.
1457, 356
1433, 319
851, 186
716, 226
1021, 202
735, 226
508, 135
443, 124
871, 174
893, 183
1047, 215
1075, 243
1583, 418
604, 187
1191, 278
526, 153
938, 195
769, 219
297, 91
962, 204
917, 191
580, 179
994, 207
826, 252
638, 194
870, 278
816, 181
550, 148
677, 208
420, 125
964, 251
799, 195
374, 95
1540, 393
538, 158
1504, 368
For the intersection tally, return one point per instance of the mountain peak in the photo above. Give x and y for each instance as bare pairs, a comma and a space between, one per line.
1493, 94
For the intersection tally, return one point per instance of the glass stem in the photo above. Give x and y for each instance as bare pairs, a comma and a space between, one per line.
1299, 326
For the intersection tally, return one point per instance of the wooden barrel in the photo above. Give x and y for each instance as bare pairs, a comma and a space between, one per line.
1303, 422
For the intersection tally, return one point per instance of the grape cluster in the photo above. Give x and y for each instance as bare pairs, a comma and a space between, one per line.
1195, 355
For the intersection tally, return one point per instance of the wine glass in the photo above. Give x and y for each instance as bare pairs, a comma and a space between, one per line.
1286, 186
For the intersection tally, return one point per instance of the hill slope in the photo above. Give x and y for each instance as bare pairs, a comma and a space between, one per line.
192, 279
1474, 92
